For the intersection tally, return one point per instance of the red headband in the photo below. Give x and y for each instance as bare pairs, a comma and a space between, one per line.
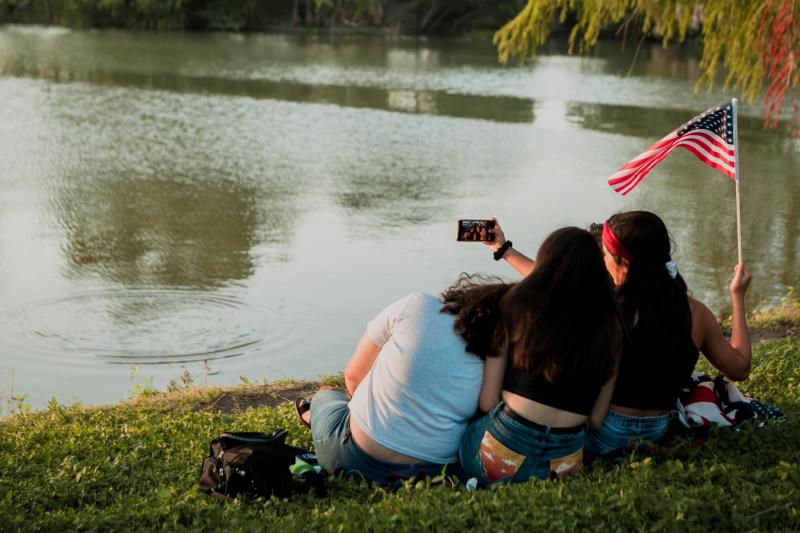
613, 244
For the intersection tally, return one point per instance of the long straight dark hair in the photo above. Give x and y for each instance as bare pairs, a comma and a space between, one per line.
474, 299
563, 319
655, 305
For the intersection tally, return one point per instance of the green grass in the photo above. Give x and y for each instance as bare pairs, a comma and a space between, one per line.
134, 466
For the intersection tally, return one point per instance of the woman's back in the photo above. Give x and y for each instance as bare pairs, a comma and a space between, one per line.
556, 347
653, 296
423, 386
653, 372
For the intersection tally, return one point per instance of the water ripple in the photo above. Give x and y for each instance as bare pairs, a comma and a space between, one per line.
140, 326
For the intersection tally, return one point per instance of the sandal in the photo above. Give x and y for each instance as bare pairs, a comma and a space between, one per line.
302, 406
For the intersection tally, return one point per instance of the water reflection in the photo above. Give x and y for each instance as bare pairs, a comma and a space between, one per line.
503, 109
139, 326
656, 122
392, 200
628, 59
147, 231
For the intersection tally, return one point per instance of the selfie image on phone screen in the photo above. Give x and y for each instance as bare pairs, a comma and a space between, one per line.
475, 230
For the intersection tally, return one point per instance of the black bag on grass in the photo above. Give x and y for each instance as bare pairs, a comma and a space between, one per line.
248, 463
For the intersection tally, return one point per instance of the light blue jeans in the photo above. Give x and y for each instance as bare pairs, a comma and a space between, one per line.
337, 451
619, 433
502, 446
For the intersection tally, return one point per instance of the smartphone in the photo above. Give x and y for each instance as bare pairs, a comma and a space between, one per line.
475, 230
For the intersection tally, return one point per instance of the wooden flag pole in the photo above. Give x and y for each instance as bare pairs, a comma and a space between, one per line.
736, 169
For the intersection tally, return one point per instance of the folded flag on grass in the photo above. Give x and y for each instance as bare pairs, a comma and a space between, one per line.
710, 401
709, 136
703, 403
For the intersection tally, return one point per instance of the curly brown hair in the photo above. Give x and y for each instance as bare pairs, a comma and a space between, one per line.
474, 300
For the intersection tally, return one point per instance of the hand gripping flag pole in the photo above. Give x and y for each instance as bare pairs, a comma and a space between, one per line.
712, 136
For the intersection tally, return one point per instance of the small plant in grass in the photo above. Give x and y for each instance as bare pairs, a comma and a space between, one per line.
782, 319
16, 404
336, 381
142, 385
184, 380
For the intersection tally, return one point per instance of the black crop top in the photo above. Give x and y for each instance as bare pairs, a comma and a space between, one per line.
651, 375
575, 394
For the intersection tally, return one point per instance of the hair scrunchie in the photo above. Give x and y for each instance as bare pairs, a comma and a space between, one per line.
672, 269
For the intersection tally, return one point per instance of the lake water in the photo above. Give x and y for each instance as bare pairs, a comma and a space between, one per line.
240, 205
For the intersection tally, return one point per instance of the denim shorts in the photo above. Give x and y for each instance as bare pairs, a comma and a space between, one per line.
622, 432
337, 451
502, 446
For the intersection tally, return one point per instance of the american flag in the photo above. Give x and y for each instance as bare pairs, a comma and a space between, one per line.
709, 136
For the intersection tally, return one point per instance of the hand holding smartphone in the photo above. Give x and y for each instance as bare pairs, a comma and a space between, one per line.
475, 230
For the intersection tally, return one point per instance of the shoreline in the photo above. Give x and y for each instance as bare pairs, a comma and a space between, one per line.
558, 35
769, 325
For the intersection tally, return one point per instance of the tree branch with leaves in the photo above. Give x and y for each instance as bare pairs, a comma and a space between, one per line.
756, 43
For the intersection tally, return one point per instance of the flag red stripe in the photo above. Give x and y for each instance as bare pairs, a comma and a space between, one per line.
620, 176
731, 173
713, 139
635, 165
711, 150
665, 140
640, 174
637, 176
645, 166
647, 154
700, 151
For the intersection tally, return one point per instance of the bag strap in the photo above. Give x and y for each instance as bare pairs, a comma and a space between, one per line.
230, 439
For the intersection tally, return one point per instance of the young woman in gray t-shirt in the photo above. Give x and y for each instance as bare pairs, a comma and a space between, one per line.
414, 378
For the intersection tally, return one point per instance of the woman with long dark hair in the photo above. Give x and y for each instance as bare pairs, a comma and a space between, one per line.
554, 354
414, 377
669, 329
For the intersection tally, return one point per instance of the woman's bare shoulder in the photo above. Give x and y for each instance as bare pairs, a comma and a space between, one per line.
698, 309
704, 323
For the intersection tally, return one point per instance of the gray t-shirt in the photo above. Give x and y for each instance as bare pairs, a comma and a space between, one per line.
423, 387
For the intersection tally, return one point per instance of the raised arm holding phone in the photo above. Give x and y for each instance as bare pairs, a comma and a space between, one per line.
503, 249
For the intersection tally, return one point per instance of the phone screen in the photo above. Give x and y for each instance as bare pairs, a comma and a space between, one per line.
475, 230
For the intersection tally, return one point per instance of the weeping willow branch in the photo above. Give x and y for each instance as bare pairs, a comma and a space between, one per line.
755, 42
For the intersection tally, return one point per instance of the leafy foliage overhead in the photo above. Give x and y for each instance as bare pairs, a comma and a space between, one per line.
757, 42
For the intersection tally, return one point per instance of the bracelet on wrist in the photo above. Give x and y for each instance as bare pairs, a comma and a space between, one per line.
498, 255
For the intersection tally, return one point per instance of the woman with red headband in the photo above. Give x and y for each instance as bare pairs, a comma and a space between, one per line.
668, 328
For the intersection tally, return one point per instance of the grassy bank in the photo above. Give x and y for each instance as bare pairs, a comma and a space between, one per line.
134, 466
